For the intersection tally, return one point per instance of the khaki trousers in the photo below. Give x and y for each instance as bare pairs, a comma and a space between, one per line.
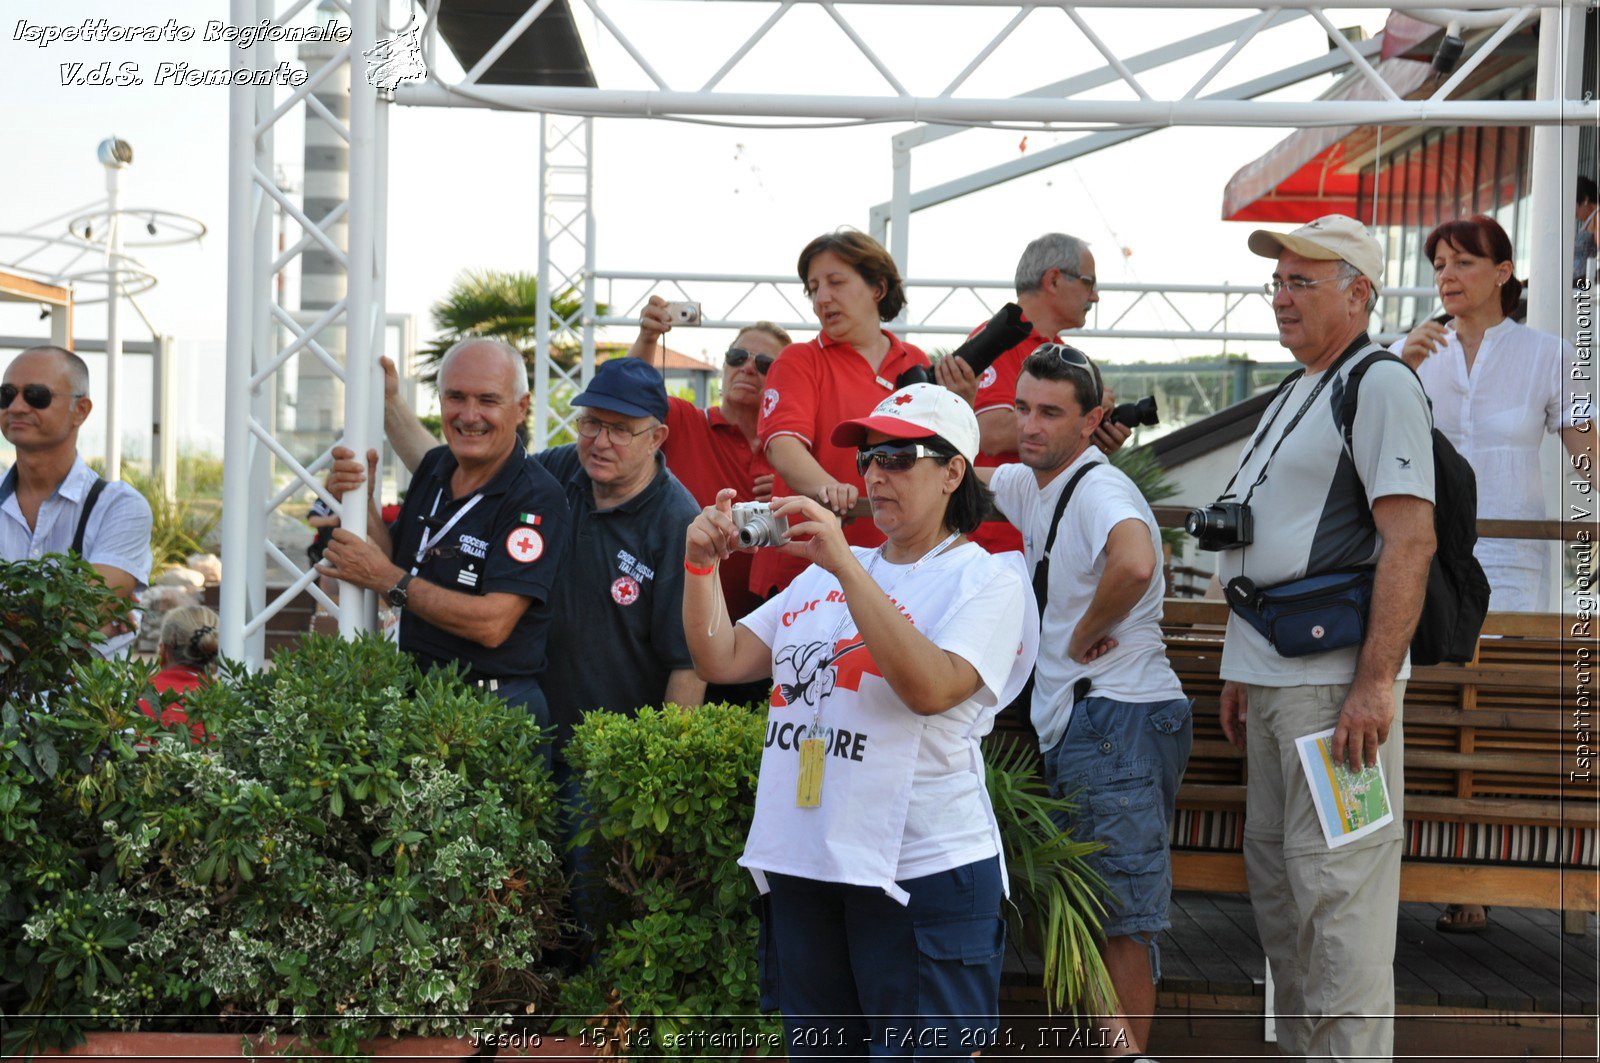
1326, 916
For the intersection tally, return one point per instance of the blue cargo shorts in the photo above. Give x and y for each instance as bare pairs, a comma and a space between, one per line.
1121, 763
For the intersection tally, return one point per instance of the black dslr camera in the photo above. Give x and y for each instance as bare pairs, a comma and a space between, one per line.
1221, 526
1134, 414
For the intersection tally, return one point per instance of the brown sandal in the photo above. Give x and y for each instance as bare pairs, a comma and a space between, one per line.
1456, 920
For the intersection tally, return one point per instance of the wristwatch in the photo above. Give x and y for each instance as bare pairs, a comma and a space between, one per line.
396, 595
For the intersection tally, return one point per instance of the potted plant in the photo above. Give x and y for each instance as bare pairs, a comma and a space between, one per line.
357, 852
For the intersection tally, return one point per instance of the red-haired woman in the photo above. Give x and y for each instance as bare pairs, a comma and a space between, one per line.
1497, 389
850, 367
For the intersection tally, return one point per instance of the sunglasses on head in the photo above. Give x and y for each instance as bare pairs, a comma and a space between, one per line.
737, 356
894, 457
39, 396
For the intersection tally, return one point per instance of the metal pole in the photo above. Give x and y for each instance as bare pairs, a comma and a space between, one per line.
589, 281
236, 398
900, 210
265, 331
1550, 219
541, 326
163, 433
113, 449
355, 604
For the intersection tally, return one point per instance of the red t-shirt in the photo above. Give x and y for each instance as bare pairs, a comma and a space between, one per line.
708, 452
175, 679
997, 390
810, 389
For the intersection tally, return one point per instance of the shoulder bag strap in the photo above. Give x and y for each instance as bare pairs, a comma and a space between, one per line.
1041, 571
98, 486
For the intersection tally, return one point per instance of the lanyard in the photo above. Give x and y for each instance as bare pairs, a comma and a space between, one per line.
838, 629
1359, 344
430, 541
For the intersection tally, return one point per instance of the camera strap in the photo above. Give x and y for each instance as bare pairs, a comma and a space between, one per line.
1357, 345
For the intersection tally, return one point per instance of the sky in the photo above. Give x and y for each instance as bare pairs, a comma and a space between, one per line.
669, 196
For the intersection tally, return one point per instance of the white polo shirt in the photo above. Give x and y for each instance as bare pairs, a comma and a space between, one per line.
1137, 669
118, 533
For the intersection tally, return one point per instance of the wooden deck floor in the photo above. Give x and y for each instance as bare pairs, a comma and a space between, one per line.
1521, 963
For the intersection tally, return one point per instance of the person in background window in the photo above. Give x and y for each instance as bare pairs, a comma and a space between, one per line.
1497, 389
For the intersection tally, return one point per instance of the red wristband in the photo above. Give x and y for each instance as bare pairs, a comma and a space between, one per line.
696, 570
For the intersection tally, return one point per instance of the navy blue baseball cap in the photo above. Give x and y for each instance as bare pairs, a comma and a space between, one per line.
627, 386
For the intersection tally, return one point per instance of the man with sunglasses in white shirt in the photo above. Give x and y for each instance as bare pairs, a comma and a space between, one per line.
51, 501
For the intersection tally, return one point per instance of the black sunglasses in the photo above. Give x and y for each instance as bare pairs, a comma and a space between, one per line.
894, 457
39, 396
737, 356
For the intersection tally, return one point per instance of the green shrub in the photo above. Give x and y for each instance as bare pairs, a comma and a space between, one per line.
1055, 904
178, 527
359, 851
668, 798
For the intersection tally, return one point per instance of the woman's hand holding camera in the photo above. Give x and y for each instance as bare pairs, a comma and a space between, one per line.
821, 536
713, 535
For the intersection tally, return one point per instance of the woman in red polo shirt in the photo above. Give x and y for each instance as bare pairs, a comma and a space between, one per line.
847, 370
188, 656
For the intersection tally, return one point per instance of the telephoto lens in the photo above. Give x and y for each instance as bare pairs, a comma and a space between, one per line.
1134, 414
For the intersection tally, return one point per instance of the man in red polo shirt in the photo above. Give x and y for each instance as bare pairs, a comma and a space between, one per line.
1056, 286
708, 450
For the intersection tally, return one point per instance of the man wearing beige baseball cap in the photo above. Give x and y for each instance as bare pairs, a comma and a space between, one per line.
1326, 913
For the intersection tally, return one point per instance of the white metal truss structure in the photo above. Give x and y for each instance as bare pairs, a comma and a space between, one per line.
1119, 100
566, 265
263, 336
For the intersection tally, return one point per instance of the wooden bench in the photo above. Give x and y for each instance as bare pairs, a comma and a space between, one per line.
1493, 815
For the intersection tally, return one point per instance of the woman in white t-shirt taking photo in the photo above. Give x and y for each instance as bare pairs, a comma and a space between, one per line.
873, 836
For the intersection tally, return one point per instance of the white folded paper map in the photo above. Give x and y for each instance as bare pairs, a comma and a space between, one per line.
1350, 805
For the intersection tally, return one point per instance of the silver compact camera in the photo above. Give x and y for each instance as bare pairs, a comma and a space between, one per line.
757, 526
683, 313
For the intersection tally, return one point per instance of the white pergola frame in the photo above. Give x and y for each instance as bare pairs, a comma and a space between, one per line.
262, 336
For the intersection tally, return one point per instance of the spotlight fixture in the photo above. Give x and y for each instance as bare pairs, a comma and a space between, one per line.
150, 227
88, 232
44, 311
1449, 51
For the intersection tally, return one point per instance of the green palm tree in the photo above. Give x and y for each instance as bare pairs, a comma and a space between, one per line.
501, 305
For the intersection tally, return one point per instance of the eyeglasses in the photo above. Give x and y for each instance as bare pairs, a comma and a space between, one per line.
620, 435
893, 457
737, 356
39, 396
1296, 285
1088, 279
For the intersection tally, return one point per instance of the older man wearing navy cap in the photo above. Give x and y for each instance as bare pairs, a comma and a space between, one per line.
618, 640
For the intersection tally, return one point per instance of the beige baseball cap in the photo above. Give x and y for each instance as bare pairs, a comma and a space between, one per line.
1332, 237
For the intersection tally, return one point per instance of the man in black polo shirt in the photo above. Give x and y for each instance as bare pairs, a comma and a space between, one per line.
619, 644
473, 557
618, 641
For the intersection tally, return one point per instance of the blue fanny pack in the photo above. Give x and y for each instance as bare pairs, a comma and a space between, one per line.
1304, 616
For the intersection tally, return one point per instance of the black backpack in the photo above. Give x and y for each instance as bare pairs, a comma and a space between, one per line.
1457, 597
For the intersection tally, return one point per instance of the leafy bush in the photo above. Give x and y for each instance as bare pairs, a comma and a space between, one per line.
178, 527
1055, 895
359, 851
667, 800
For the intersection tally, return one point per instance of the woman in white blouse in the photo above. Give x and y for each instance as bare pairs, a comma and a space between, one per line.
1497, 389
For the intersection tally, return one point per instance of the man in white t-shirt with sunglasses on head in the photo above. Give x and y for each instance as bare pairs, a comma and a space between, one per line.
1113, 722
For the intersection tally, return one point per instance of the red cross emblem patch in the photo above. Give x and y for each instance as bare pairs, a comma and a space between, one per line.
625, 591
525, 545
902, 400
988, 378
